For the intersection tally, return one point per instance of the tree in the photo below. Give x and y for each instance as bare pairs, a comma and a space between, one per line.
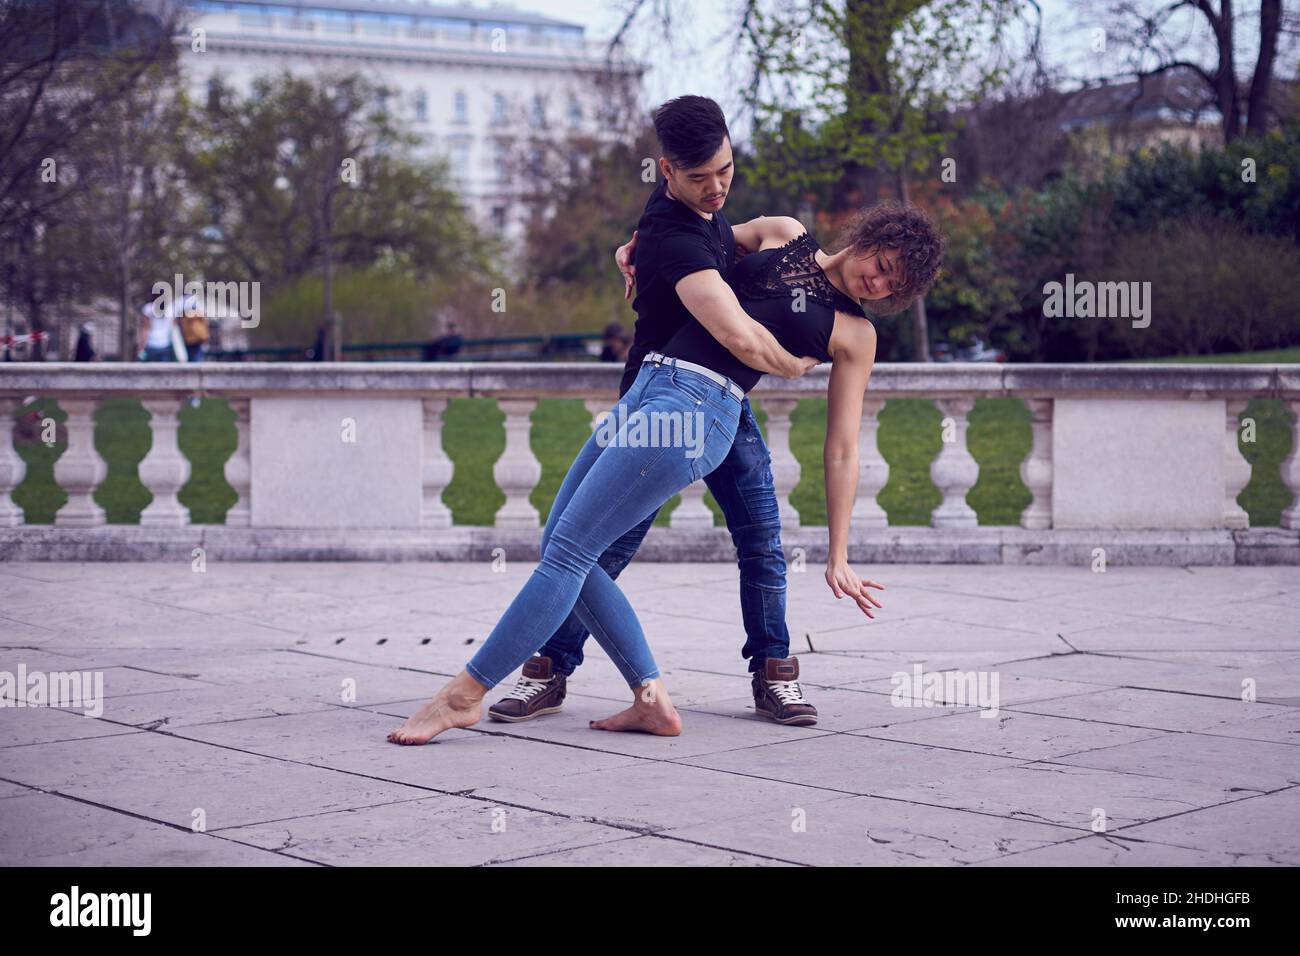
1158, 38
313, 174
856, 92
70, 72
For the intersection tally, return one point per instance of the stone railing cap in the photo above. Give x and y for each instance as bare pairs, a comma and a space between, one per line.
531, 379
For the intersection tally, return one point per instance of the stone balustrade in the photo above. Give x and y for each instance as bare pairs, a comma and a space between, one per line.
1139, 463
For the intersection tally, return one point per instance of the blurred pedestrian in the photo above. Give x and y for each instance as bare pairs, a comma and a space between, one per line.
445, 345
614, 343
156, 332
194, 329
85, 349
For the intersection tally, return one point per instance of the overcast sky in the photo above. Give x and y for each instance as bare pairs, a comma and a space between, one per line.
696, 60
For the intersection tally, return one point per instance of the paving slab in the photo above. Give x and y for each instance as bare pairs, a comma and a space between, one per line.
1259, 831
224, 690
48, 830
702, 732
1106, 850
1010, 734
1078, 797
432, 831
1115, 670
647, 851
1154, 709
935, 634
348, 740
848, 763
1244, 632
183, 708
1235, 763
1011, 688
22, 726
838, 710
653, 795
167, 778
1283, 729
867, 831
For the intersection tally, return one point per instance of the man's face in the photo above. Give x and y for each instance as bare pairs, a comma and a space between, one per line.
702, 188
875, 275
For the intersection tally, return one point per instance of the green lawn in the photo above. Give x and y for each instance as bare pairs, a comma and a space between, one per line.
473, 435
1272, 356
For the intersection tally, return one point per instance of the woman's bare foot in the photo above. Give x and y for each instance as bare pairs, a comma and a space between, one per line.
651, 713
459, 704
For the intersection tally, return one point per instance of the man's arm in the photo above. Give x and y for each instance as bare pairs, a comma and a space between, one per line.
715, 306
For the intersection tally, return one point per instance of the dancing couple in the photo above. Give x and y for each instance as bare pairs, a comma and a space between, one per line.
708, 327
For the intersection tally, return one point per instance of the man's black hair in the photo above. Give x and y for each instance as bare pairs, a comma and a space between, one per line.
691, 130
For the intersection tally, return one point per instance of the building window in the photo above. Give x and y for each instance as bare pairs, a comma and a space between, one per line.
499, 218
498, 108
575, 111
460, 107
421, 106
460, 161
501, 161
539, 111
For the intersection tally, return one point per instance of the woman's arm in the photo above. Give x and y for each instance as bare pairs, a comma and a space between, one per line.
854, 358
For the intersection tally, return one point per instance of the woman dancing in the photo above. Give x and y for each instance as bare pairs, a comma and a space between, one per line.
810, 301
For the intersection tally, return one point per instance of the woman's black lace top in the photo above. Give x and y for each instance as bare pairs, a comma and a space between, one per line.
785, 290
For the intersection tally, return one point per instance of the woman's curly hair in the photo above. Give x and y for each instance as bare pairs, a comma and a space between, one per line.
920, 245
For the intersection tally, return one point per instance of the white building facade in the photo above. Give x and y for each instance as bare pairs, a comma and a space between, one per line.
472, 82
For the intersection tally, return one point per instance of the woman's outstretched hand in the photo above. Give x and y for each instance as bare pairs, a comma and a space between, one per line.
844, 580
623, 258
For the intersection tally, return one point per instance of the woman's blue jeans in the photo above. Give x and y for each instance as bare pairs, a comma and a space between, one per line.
671, 428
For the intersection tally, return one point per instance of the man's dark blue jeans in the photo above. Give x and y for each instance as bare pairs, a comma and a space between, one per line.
742, 487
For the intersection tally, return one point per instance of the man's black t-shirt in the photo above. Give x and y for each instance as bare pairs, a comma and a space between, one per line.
672, 241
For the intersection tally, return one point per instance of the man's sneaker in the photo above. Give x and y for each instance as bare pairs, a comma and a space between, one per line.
538, 691
777, 694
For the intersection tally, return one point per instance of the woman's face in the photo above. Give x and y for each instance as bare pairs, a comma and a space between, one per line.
875, 275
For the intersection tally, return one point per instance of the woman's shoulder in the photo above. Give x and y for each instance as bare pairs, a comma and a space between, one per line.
780, 230
855, 334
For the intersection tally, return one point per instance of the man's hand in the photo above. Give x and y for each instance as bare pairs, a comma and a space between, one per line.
800, 365
623, 259
843, 580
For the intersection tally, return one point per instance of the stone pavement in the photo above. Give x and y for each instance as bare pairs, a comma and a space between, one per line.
251, 701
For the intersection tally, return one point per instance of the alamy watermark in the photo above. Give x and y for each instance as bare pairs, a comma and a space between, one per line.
1099, 300
946, 689
83, 690
216, 299
639, 429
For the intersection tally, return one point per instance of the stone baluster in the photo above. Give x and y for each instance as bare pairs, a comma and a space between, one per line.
954, 471
517, 471
1036, 469
437, 467
873, 470
164, 469
1236, 470
239, 468
1291, 471
692, 512
12, 467
597, 408
79, 469
785, 467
